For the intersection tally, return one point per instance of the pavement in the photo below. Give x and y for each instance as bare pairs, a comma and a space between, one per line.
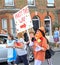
56, 49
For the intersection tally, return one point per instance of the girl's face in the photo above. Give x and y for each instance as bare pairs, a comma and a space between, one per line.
9, 37
38, 34
56, 28
31, 35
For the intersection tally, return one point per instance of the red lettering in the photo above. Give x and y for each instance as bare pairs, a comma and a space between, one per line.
19, 14
23, 26
25, 10
21, 20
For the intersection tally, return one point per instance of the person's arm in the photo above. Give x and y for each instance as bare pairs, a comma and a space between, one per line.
31, 43
9, 46
18, 46
27, 42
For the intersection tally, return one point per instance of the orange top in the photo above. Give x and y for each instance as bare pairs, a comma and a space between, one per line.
40, 55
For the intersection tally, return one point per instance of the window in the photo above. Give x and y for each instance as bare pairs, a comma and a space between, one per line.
36, 23
48, 26
3, 39
50, 3
4, 24
12, 23
31, 2
9, 2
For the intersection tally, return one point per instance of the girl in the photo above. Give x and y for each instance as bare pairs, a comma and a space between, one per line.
21, 51
39, 47
11, 50
49, 61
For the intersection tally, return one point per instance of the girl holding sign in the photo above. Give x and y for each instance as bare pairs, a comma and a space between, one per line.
21, 51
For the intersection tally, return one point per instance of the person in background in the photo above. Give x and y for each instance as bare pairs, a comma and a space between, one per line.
59, 38
26, 39
56, 36
11, 54
21, 51
32, 38
32, 35
59, 31
49, 60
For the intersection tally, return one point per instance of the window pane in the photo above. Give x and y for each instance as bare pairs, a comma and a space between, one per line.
50, 1
50, 5
4, 24
12, 23
9, 2
31, 2
36, 24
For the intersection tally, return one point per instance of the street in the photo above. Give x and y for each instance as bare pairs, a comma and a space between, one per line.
56, 60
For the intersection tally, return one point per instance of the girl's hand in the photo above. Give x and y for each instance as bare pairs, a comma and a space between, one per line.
10, 46
18, 45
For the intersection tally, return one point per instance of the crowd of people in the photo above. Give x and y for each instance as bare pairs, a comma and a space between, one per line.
19, 49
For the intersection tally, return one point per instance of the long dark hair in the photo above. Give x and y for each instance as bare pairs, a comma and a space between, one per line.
43, 35
26, 38
12, 38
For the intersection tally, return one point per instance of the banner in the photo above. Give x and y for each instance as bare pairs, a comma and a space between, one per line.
23, 20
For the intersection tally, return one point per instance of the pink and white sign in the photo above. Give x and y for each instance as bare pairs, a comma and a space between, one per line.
23, 20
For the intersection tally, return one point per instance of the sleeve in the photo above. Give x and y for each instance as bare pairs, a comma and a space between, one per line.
38, 48
45, 45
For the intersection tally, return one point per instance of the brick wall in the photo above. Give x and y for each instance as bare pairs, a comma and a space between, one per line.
20, 3
41, 8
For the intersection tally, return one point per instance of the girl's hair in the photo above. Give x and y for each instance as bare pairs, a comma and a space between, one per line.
26, 38
20, 35
12, 38
43, 35
42, 32
32, 33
